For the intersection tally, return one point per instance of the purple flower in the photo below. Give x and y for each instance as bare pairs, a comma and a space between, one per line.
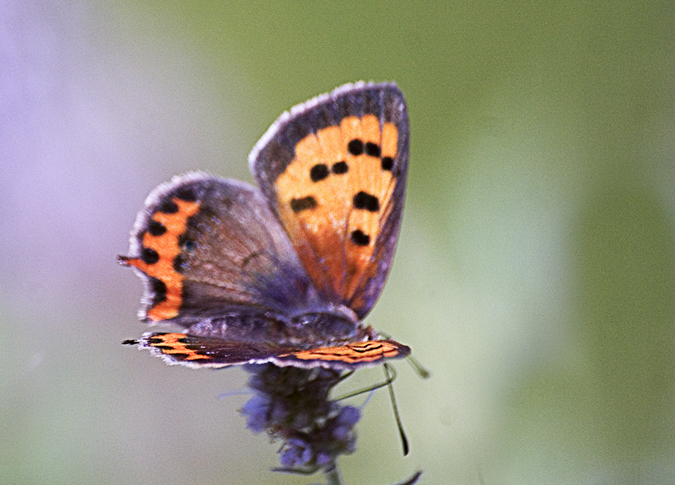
293, 406
349, 416
256, 411
296, 453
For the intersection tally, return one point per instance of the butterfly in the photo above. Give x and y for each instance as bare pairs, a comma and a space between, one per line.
284, 273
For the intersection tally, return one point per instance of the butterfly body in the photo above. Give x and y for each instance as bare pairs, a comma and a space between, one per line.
287, 272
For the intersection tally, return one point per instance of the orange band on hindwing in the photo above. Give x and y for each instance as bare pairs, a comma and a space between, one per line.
357, 352
160, 248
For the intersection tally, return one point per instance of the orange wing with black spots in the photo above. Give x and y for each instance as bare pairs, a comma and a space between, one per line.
334, 171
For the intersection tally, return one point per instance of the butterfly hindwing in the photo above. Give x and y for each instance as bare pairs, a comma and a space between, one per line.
334, 172
202, 351
199, 351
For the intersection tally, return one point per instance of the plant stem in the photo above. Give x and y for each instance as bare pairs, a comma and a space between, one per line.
333, 476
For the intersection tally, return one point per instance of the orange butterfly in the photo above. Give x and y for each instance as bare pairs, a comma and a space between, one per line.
285, 273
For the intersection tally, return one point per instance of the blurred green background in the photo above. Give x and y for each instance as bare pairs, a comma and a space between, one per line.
535, 273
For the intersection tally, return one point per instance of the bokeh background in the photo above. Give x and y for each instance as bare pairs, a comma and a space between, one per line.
535, 273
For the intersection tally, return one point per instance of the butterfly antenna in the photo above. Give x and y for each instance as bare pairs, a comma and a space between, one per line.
345, 375
418, 368
404, 439
412, 480
366, 389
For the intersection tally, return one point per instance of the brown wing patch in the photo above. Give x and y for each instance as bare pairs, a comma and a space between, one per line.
160, 248
334, 197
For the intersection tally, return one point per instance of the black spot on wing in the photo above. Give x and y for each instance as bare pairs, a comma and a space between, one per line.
158, 289
318, 172
340, 167
365, 201
186, 193
387, 163
299, 205
355, 147
372, 149
149, 256
156, 228
360, 238
168, 207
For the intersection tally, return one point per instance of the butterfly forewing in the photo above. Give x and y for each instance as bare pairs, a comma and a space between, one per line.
339, 191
